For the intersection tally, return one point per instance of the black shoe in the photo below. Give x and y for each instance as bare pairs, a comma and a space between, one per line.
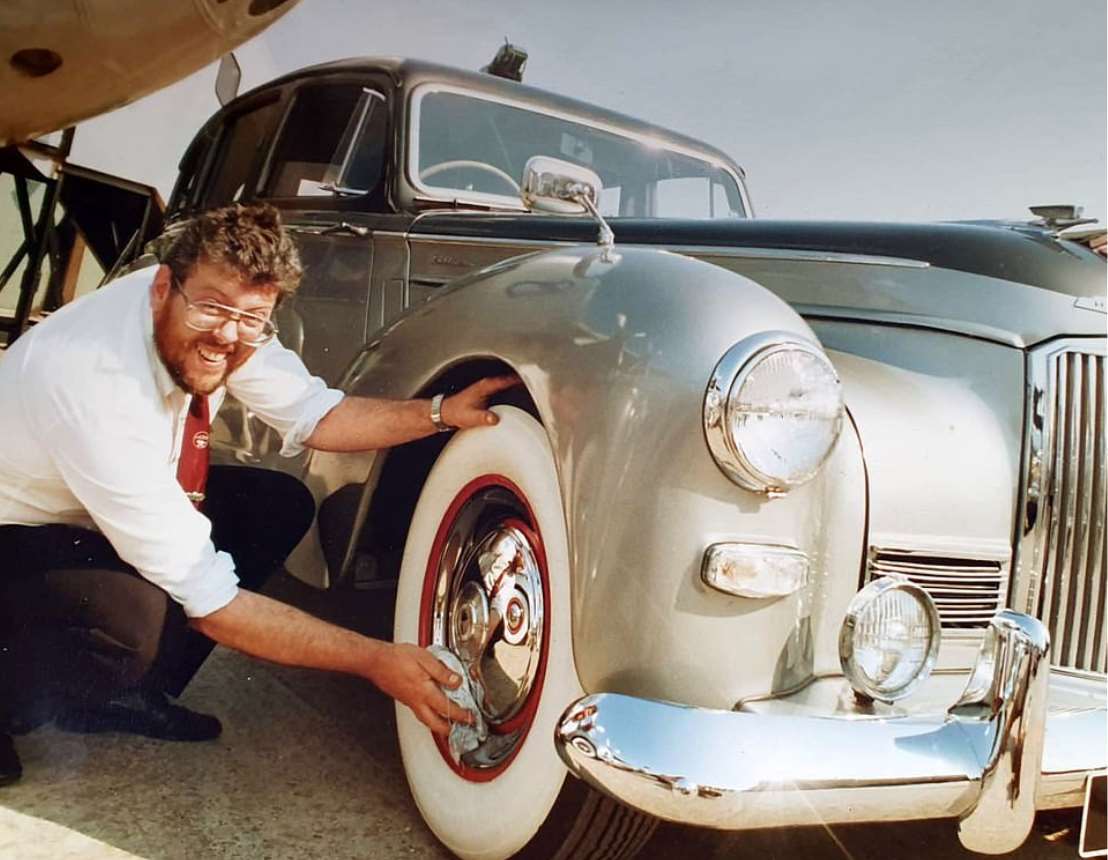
10, 768
142, 712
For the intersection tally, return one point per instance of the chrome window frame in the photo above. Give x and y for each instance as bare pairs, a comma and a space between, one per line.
501, 201
355, 138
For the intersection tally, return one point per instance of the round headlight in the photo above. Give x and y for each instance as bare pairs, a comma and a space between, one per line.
772, 412
889, 639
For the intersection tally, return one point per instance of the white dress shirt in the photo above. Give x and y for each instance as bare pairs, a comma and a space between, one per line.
91, 426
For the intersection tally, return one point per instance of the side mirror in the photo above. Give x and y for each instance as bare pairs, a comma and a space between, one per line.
228, 78
553, 185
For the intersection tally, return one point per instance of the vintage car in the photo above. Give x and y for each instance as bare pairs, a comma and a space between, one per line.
789, 522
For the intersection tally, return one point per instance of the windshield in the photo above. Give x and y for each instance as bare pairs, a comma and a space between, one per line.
472, 148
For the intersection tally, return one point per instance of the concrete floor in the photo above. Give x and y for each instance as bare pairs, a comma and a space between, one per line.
308, 766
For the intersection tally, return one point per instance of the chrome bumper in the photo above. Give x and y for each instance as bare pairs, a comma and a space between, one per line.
982, 760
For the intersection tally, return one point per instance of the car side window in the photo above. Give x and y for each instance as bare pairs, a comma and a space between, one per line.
239, 148
332, 144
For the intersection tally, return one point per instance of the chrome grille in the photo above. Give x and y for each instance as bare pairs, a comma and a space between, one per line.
1060, 549
967, 591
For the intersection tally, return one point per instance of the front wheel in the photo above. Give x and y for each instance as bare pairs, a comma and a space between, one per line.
486, 574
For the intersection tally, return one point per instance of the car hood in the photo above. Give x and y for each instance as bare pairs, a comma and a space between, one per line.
1014, 284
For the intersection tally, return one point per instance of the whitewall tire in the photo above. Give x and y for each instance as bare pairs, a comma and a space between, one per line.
493, 494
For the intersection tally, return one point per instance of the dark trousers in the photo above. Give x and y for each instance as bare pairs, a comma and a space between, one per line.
78, 625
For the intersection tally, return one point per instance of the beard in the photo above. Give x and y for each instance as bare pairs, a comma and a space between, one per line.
187, 355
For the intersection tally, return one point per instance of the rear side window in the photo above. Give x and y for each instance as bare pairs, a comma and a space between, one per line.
238, 154
332, 144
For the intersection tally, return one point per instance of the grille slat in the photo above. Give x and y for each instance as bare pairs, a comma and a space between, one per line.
1060, 555
1071, 415
956, 595
952, 574
939, 579
1077, 618
1093, 653
963, 573
1056, 476
966, 592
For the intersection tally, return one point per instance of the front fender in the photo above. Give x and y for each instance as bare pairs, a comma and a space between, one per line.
616, 353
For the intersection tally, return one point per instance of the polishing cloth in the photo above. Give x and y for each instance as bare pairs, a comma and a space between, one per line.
463, 738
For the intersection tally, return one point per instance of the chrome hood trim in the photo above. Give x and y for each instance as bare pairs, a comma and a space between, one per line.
1015, 287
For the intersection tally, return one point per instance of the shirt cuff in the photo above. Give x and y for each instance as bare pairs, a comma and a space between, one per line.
218, 587
312, 413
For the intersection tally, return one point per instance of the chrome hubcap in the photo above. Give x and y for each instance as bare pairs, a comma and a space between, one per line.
488, 610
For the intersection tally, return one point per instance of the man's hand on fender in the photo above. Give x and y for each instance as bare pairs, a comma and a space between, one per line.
370, 423
469, 407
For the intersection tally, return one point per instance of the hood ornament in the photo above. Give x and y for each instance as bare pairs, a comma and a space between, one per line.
1060, 216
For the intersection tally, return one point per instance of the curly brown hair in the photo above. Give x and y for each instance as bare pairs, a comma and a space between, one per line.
247, 238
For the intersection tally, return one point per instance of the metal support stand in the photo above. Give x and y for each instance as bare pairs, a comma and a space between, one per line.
29, 286
83, 213
35, 238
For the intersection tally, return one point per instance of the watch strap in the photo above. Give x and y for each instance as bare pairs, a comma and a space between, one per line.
436, 414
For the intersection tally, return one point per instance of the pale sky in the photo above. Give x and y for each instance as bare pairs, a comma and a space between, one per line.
859, 109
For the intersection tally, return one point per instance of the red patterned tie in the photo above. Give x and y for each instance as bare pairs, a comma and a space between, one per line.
192, 468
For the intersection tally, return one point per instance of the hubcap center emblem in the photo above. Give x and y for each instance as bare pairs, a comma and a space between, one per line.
470, 622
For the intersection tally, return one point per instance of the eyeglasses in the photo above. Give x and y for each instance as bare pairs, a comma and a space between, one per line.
253, 330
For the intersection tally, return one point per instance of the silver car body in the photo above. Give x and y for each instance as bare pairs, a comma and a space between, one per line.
973, 462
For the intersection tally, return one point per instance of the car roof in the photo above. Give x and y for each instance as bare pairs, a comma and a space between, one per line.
407, 74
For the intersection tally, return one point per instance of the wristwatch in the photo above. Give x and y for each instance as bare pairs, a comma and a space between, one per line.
436, 415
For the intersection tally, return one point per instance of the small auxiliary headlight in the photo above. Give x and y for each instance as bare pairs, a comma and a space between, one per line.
889, 639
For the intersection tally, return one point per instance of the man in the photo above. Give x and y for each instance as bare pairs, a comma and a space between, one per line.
121, 560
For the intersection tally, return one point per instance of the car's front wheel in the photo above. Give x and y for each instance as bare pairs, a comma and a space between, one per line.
486, 574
